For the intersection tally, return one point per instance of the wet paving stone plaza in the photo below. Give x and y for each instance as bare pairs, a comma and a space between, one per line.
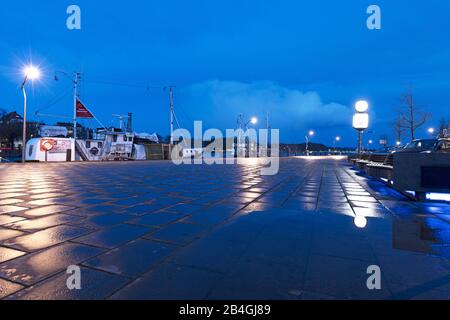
153, 230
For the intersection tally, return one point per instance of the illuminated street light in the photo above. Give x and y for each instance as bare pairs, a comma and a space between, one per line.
361, 120
361, 106
431, 130
336, 140
30, 73
311, 133
243, 127
399, 143
370, 143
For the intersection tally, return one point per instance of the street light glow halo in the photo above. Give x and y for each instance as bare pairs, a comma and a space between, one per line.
254, 120
31, 72
361, 106
311, 133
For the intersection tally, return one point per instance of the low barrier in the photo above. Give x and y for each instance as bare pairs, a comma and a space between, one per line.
414, 174
422, 173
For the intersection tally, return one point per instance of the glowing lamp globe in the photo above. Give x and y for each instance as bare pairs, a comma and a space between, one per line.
31, 72
361, 106
361, 121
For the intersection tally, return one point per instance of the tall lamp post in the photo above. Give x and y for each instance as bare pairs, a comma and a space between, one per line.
370, 144
243, 126
308, 137
336, 140
30, 73
361, 120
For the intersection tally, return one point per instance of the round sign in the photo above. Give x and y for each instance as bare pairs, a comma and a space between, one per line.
47, 144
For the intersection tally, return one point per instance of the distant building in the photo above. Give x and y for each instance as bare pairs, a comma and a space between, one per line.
11, 126
10, 118
82, 131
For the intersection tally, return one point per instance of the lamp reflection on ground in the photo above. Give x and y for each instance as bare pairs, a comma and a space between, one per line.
360, 222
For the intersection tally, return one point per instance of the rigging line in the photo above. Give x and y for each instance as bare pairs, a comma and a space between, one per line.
185, 113
123, 84
174, 93
54, 101
176, 120
173, 112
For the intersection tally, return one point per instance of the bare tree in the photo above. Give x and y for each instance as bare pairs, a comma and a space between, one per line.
411, 116
399, 126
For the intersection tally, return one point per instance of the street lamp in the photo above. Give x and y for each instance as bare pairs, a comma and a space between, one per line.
336, 140
370, 143
30, 73
431, 131
311, 133
361, 120
243, 126
361, 106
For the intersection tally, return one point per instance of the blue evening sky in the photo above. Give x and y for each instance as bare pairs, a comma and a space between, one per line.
304, 62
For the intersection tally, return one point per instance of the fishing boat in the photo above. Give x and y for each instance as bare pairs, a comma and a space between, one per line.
107, 145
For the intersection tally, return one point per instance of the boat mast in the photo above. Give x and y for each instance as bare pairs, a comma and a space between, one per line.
171, 114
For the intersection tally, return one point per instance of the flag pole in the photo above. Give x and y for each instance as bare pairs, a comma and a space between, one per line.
75, 98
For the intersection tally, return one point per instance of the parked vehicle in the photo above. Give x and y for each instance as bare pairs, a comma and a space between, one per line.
441, 145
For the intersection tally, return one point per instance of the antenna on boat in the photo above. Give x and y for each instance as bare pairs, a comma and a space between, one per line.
172, 112
120, 117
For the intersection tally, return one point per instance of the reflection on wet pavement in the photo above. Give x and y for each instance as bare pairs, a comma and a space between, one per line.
158, 231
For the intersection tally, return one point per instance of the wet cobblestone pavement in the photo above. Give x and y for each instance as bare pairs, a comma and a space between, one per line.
153, 230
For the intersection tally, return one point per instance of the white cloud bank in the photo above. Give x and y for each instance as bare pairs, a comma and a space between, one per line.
223, 101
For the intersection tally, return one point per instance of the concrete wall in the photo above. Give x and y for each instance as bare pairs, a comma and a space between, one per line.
409, 168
